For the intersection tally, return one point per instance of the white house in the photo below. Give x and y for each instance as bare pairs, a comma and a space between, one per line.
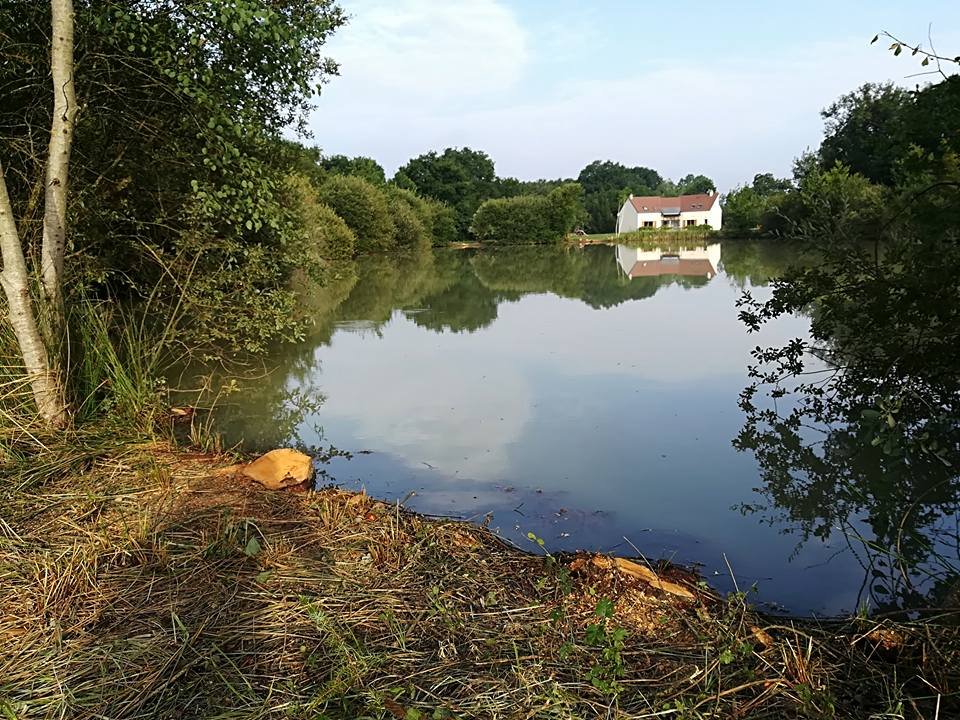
655, 211
699, 261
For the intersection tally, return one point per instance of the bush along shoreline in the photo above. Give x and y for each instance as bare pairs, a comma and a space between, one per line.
150, 581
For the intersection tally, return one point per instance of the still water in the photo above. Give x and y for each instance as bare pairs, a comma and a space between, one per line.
588, 396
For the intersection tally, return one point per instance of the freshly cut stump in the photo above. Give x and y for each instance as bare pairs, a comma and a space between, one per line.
280, 469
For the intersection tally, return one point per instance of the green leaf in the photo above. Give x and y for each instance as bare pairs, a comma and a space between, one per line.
264, 576
604, 608
252, 548
926, 61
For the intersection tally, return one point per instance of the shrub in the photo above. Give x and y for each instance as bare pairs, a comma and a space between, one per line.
443, 222
364, 208
327, 234
529, 218
839, 203
408, 230
439, 220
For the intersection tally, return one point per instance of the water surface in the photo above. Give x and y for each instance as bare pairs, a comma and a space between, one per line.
586, 395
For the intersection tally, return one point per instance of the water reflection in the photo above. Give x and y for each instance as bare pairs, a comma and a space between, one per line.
587, 395
697, 261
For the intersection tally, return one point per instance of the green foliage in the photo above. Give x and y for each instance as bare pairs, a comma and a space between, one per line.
866, 131
606, 184
443, 222
462, 178
364, 208
877, 378
329, 237
529, 218
839, 204
363, 167
694, 185
176, 190
758, 209
409, 231
874, 128
608, 667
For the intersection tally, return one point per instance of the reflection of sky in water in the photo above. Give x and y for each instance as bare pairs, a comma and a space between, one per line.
583, 425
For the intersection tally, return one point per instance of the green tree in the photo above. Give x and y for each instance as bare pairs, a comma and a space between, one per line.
177, 170
759, 208
695, 184
363, 167
604, 182
866, 131
364, 208
529, 218
461, 177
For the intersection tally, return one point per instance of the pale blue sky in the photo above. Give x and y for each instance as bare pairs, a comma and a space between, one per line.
725, 89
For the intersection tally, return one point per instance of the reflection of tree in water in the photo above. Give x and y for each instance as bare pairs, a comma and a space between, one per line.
757, 262
842, 483
443, 291
868, 423
465, 305
589, 274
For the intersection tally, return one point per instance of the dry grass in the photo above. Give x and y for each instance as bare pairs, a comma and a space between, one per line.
143, 586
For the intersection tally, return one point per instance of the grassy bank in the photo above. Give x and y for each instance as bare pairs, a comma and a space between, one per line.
140, 583
639, 237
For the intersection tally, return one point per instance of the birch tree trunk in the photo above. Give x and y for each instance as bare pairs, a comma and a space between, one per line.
44, 382
58, 157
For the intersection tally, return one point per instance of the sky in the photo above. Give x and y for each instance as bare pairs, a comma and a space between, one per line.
726, 89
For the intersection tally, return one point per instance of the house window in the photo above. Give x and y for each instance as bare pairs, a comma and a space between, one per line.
648, 223
691, 223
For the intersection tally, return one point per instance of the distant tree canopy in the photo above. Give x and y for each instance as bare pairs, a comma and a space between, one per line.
605, 184
363, 167
529, 218
756, 208
465, 178
460, 177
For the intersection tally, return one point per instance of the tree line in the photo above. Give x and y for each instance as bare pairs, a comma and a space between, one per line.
882, 144
466, 179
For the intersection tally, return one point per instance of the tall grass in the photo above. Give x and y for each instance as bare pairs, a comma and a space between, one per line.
118, 358
113, 358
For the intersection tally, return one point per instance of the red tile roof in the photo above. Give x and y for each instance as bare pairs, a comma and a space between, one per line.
686, 203
654, 268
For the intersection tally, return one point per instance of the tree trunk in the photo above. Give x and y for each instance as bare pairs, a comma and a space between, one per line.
47, 391
58, 159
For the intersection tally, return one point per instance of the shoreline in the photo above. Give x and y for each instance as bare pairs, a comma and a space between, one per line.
148, 582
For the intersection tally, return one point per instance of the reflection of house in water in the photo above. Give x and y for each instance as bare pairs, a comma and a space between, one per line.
646, 262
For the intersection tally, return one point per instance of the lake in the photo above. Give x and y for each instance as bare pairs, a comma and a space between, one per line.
586, 395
